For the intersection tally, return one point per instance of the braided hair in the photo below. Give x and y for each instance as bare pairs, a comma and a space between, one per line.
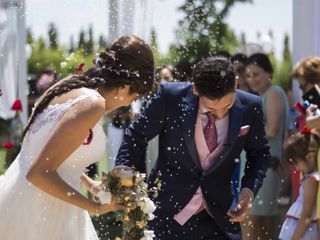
127, 61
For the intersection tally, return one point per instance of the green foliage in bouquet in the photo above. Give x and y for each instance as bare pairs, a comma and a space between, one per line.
129, 189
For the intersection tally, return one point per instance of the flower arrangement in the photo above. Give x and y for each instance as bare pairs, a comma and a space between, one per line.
129, 189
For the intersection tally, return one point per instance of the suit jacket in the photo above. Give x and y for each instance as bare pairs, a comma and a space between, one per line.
172, 114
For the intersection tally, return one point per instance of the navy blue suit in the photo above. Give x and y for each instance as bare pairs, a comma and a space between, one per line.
172, 114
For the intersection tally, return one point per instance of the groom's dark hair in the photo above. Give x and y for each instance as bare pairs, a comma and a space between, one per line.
214, 77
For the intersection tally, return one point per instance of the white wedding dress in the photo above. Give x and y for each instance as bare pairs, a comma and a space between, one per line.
27, 212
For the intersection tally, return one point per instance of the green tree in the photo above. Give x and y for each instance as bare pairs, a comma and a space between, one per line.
286, 49
43, 58
71, 46
102, 42
243, 39
53, 36
29, 36
82, 39
258, 35
88, 46
285, 67
270, 33
154, 45
203, 30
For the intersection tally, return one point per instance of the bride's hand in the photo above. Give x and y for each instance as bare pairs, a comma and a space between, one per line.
95, 187
104, 208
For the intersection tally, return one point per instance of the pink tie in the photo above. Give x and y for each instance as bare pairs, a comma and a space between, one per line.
210, 133
196, 204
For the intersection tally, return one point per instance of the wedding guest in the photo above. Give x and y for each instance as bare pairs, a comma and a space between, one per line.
301, 220
307, 73
164, 74
119, 120
183, 71
261, 223
39, 85
239, 61
45, 80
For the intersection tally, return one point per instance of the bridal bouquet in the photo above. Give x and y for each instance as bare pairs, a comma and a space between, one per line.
129, 189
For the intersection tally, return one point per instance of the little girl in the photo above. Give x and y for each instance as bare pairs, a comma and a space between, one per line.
301, 223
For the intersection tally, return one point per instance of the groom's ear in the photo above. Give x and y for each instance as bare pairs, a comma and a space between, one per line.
194, 90
123, 90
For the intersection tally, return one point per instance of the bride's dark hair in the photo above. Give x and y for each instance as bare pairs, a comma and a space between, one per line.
127, 61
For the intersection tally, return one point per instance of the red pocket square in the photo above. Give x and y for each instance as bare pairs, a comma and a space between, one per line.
244, 130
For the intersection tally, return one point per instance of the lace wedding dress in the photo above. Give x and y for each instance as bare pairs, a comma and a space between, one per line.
27, 212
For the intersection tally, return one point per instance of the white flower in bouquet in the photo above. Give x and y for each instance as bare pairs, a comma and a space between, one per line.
151, 216
130, 189
148, 235
147, 205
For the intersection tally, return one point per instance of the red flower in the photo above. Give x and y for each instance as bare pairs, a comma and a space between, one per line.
17, 105
88, 140
80, 68
7, 145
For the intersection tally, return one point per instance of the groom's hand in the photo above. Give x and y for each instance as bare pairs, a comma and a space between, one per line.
244, 206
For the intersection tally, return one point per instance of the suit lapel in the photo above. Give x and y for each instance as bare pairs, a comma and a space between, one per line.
190, 105
235, 121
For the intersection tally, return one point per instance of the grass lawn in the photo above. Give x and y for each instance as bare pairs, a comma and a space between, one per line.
2, 160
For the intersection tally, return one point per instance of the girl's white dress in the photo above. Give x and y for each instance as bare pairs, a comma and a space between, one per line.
27, 212
293, 215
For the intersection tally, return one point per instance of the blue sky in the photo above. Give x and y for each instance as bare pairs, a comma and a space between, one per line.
73, 15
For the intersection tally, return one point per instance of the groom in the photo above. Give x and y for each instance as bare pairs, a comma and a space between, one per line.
203, 127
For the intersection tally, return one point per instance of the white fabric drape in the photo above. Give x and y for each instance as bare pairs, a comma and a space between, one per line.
8, 59
306, 34
13, 63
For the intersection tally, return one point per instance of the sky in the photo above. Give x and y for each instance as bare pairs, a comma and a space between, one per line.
70, 16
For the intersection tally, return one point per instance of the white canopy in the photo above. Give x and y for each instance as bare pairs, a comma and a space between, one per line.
306, 34
13, 65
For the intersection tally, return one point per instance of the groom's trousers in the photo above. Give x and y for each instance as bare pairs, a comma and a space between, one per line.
199, 227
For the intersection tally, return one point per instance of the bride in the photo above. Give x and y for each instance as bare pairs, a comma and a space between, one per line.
40, 192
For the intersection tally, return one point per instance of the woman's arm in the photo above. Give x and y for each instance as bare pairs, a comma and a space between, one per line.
312, 121
65, 138
309, 201
273, 113
91, 185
